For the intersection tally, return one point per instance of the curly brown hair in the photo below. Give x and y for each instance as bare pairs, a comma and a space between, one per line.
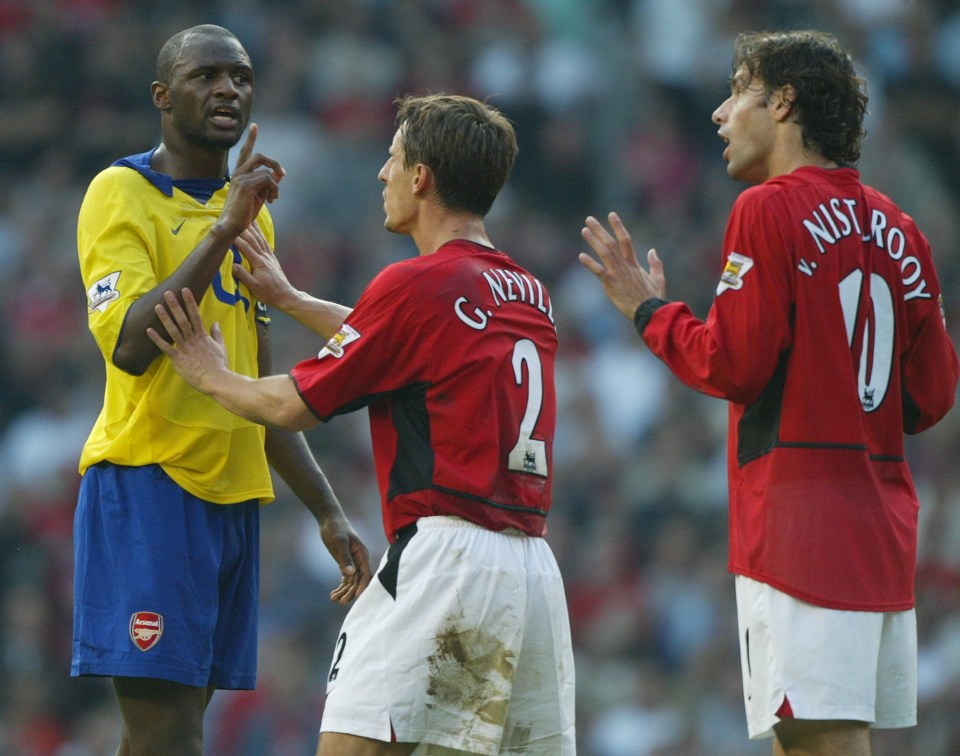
831, 99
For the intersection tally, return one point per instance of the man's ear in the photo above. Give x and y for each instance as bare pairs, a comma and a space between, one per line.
783, 102
422, 179
161, 95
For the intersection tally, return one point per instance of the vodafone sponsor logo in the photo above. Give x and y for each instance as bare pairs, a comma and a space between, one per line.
145, 629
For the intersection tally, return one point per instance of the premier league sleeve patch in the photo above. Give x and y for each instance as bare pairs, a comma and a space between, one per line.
103, 292
334, 347
733, 272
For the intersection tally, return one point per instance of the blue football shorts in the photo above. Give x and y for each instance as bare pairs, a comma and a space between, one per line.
165, 584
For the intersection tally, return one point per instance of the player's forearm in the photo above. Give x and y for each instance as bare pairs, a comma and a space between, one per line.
134, 353
271, 401
319, 315
290, 455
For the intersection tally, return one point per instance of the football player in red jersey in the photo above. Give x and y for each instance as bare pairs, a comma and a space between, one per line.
463, 640
827, 338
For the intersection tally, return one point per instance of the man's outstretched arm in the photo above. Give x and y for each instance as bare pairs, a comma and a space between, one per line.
268, 283
201, 360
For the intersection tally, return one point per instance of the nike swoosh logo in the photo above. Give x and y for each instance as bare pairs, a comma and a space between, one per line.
176, 230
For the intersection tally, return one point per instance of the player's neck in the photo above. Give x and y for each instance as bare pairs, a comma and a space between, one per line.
450, 227
189, 164
790, 154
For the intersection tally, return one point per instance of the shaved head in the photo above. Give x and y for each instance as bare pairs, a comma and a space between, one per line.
171, 51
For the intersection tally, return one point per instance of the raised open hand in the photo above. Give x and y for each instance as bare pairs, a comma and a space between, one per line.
198, 356
265, 278
624, 280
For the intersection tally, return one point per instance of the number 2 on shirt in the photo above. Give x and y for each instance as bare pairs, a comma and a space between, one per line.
529, 455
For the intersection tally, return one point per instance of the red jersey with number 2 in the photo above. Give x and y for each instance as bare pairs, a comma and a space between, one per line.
827, 337
454, 355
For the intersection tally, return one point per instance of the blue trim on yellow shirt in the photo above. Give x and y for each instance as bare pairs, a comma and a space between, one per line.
200, 189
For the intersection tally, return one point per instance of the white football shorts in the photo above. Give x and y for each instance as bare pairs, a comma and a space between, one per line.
462, 640
810, 662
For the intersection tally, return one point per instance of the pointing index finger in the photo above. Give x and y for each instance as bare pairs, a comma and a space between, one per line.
247, 150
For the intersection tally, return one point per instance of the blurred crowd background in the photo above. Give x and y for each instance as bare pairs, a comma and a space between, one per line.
612, 101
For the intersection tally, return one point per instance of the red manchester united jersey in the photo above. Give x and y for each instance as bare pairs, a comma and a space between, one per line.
827, 337
454, 355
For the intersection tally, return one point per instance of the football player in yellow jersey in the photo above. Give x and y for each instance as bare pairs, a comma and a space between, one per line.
166, 529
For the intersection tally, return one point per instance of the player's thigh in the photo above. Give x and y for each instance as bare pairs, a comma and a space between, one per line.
160, 716
341, 744
816, 737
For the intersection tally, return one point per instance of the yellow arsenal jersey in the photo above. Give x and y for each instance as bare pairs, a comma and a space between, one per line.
135, 228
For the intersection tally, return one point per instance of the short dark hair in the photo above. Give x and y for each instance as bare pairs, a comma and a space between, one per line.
468, 145
831, 99
170, 52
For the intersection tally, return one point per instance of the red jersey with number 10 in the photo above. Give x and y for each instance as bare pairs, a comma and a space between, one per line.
827, 337
454, 354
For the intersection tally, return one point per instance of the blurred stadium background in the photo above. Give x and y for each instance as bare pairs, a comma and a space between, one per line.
612, 102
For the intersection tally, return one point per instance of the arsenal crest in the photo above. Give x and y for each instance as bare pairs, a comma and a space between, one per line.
145, 629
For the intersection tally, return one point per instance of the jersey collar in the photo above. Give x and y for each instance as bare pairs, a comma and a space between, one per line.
200, 189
